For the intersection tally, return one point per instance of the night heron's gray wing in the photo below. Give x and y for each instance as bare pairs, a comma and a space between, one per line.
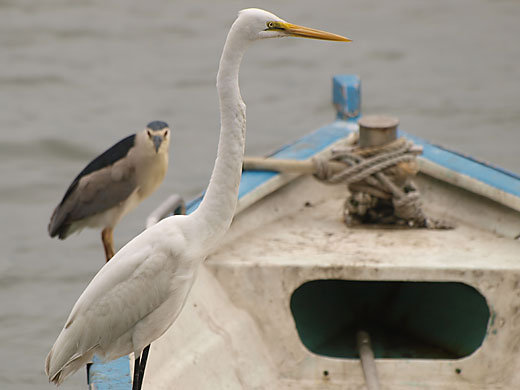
105, 182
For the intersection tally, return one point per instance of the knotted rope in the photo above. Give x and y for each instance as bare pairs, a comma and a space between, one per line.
380, 185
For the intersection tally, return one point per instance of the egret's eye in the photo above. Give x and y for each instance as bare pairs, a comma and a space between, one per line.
275, 26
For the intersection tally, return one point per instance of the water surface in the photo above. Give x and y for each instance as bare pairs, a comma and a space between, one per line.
75, 77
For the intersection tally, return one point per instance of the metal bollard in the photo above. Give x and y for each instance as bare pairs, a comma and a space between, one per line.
377, 130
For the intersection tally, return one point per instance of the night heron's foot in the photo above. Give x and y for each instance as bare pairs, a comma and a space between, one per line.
108, 243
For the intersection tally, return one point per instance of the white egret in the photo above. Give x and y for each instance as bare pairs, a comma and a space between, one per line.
138, 294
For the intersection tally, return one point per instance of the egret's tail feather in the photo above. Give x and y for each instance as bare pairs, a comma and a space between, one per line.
58, 372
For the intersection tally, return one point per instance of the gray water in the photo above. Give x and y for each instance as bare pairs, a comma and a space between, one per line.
76, 76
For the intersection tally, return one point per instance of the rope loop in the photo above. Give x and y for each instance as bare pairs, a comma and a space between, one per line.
381, 190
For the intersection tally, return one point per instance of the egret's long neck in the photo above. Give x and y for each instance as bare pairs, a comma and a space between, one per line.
216, 211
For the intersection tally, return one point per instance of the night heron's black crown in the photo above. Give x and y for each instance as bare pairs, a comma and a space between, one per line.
157, 125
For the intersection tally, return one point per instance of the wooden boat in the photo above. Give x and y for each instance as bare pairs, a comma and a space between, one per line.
279, 305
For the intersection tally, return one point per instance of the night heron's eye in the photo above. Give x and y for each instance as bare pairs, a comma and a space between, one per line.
149, 133
166, 133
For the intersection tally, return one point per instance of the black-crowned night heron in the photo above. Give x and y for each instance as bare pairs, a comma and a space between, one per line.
113, 184
138, 295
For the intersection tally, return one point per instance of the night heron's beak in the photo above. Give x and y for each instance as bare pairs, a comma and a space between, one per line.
306, 32
157, 141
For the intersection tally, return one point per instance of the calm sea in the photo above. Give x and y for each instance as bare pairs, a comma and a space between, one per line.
76, 76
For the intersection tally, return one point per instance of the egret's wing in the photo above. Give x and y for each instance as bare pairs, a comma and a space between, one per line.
136, 268
140, 279
104, 183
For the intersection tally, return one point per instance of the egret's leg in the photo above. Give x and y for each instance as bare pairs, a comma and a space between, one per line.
142, 365
135, 383
108, 242
88, 372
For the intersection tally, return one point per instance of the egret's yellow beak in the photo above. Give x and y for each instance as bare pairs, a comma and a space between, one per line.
306, 32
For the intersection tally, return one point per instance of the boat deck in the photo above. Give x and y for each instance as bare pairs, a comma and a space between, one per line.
310, 232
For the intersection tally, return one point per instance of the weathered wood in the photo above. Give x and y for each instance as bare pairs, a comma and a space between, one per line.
288, 166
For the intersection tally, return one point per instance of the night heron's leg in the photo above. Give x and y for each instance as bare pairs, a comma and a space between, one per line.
142, 365
135, 383
108, 242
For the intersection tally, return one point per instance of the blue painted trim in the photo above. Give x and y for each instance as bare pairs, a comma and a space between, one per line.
114, 375
499, 178
346, 96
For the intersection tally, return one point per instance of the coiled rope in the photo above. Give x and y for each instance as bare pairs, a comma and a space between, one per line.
380, 185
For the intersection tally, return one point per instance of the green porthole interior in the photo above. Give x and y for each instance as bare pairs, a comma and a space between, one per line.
419, 320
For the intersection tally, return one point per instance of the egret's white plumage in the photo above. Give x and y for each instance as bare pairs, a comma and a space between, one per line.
136, 296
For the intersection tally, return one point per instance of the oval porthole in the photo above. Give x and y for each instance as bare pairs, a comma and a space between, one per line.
420, 320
